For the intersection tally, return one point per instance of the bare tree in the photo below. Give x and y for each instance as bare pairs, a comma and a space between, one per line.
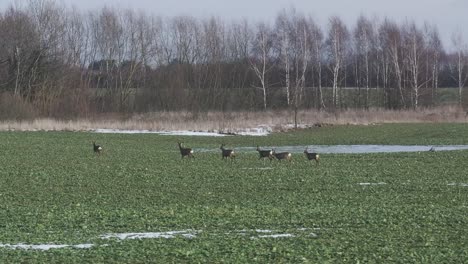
214, 52
284, 28
259, 60
302, 58
60, 60
240, 37
434, 50
364, 36
392, 43
461, 50
19, 43
415, 47
336, 43
317, 57
238, 72
294, 41
185, 30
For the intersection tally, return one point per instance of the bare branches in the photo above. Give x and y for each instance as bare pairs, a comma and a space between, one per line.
262, 48
460, 62
66, 63
336, 43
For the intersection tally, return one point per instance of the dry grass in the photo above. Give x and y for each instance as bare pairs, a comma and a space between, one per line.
237, 121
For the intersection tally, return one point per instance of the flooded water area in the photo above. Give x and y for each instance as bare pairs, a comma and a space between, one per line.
353, 149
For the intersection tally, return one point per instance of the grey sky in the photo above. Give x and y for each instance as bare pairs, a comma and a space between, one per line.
448, 15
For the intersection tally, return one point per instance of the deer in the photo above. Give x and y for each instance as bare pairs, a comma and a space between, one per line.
185, 152
312, 156
97, 149
227, 153
265, 153
282, 155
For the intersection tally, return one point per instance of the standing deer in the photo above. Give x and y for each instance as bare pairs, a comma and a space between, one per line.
265, 153
282, 155
185, 152
227, 153
312, 156
97, 149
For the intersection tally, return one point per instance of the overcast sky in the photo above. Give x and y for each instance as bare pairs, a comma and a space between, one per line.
448, 15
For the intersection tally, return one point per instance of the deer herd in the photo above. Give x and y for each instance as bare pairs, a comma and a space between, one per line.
263, 153
230, 154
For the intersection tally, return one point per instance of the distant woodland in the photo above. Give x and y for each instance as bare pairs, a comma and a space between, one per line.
59, 62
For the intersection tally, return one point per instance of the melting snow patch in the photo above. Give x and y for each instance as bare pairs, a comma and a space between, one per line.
371, 183
265, 168
170, 133
169, 234
83, 246
263, 231
458, 184
255, 234
215, 133
266, 233
260, 131
191, 133
44, 246
276, 236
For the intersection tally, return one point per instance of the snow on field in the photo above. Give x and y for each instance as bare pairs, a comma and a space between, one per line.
458, 184
260, 168
169, 234
254, 234
371, 183
247, 132
44, 246
275, 236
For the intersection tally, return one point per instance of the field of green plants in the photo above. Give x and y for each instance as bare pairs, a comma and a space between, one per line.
356, 208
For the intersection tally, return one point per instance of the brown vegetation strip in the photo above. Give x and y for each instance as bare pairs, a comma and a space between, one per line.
240, 121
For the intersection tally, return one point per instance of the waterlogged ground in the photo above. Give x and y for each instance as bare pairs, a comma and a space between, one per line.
139, 202
351, 149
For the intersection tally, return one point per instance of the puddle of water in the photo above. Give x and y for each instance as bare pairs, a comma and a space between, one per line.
350, 149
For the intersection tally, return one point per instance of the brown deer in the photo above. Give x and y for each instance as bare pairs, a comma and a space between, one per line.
185, 152
265, 153
282, 155
312, 156
227, 153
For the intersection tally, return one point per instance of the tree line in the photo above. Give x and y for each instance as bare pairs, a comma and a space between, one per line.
60, 62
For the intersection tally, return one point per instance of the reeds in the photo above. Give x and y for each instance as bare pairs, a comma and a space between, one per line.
241, 121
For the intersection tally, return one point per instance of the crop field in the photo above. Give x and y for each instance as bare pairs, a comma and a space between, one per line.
139, 201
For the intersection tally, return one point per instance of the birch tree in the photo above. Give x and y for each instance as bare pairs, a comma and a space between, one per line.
336, 43
364, 36
316, 50
283, 27
260, 59
392, 43
414, 42
434, 53
460, 64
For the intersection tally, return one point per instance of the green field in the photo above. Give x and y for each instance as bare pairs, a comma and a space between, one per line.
366, 208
